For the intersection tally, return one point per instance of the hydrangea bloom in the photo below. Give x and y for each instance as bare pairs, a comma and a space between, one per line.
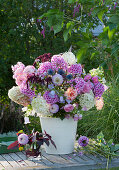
87, 100
69, 58
40, 106
50, 99
15, 95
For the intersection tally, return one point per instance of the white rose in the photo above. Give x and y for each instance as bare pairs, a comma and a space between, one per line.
69, 58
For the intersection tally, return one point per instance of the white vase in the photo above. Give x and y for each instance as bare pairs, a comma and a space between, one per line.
63, 133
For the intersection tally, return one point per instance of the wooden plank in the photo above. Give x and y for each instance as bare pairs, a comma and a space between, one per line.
1, 166
4, 163
18, 159
10, 160
23, 157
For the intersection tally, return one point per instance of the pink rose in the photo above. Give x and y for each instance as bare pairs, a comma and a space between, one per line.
68, 108
71, 93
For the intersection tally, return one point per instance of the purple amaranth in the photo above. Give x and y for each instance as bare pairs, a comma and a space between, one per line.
43, 58
58, 63
75, 69
43, 32
98, 89
50, 99
83, 141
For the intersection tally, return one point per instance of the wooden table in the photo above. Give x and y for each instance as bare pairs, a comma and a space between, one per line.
18, 161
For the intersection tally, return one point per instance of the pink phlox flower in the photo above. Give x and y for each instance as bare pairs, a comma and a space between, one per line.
86, 88
15, 67
21, 79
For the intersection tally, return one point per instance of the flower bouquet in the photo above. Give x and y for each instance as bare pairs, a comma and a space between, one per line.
31, 143
55, 86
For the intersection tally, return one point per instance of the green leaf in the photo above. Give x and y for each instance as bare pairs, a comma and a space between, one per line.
114, 19
116, 147
100, 15
72, 1
111, 33
100, 136
81, 54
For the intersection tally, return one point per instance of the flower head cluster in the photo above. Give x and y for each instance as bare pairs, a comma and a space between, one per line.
83, 141
53, 86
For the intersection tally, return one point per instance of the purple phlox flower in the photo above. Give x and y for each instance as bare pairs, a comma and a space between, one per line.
43, 32
83, 141
62, 99
76, 117
98, 89
115, 5
80, 85
87, 77
80, 116
95, 79
75, 69
54, 108
23, 139
49, 99
58, 63
84, 108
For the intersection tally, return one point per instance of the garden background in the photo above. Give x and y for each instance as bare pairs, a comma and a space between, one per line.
90, 28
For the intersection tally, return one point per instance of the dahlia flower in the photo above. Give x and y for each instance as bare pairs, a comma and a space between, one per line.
50, 99
58, 62
75, 69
